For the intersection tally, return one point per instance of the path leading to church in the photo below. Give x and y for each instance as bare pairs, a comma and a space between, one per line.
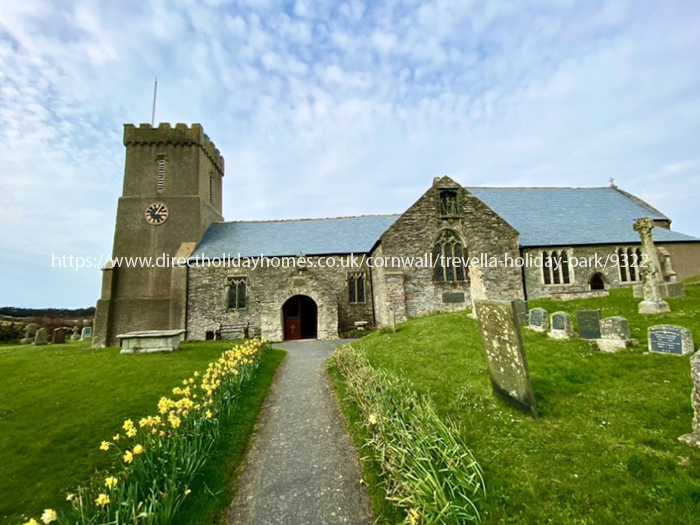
302, 468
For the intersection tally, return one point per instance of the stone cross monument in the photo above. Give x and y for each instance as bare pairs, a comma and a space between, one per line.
651, 273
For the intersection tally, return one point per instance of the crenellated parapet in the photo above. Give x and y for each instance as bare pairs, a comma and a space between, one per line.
180, 135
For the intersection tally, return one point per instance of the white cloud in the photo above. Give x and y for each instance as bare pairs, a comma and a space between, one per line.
323, 109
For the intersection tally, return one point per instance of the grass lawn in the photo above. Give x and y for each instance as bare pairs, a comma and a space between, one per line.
605, 448
58, 402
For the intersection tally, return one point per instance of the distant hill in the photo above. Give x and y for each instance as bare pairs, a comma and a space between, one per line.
61, 313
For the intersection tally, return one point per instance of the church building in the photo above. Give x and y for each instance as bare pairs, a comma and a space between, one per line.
319, 278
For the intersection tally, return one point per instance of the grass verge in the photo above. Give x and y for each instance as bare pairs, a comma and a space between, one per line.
605, 449
61, 401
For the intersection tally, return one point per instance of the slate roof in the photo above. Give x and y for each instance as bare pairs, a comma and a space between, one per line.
294, 237
573, 216
543, 216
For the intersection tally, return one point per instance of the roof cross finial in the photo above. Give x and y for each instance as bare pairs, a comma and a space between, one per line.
612, 182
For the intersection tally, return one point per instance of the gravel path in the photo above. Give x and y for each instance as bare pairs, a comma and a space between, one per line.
303, 467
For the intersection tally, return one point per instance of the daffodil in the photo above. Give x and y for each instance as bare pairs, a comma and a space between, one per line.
128, 424
131, 432
32, 522
111, 482
49, 515
102, 500
116, 437
128, 457
413, 516
70, 497
208, 414
138, 449
373, 419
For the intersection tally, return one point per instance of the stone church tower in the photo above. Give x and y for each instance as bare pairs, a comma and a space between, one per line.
172, 193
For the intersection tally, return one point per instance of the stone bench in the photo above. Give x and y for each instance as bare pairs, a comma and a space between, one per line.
150, 341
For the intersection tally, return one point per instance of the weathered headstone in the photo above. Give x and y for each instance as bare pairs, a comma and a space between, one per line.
521, 312
614, 334
76, 334
505, 354
58, 337
392, 321
651, 274
670, 339
538, 320
41, 337
29, 332
694, 437
561, 326
86, 334
588, 324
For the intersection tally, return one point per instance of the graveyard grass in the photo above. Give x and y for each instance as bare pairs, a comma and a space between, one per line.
605, 448
58, 403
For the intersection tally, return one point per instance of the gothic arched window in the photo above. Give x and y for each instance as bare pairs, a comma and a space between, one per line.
449, 258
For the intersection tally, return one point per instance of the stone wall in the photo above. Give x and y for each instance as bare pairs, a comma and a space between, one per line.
580, 276
268, 288
685, 258
412, 291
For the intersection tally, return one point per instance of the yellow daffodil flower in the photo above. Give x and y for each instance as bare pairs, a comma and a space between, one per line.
104, 445
138, 449
111, 482
128, 457
49, 515
102, 500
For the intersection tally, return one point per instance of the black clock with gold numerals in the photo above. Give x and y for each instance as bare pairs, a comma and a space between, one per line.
156, 213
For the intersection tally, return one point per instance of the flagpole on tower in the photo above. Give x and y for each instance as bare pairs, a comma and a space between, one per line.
155, 92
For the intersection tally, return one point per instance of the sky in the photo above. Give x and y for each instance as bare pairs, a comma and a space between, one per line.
325, 108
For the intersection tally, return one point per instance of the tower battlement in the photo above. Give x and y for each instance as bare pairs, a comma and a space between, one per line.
180, 135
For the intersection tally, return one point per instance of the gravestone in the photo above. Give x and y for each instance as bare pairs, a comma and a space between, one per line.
76, 334
58, 337
614, 334
651, 273
538, 320
392, 321
588, 324
86, 334
670, 339
694, 437
521, 313
562, 327
505, 354
29, 332
41, 337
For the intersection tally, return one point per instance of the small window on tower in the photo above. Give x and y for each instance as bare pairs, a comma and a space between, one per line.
161, 172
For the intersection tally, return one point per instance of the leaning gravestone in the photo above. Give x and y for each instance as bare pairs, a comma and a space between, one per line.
86, 334
694, 437
76, 334
651, 272
562, 327
614, 334
505, 354
539, 320
58, 337
521, 313
41, 338
588, 324
670, 339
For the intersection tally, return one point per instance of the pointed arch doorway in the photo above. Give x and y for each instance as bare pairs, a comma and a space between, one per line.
300, 314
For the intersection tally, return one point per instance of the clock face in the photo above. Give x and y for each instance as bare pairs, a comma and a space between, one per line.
156, 213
